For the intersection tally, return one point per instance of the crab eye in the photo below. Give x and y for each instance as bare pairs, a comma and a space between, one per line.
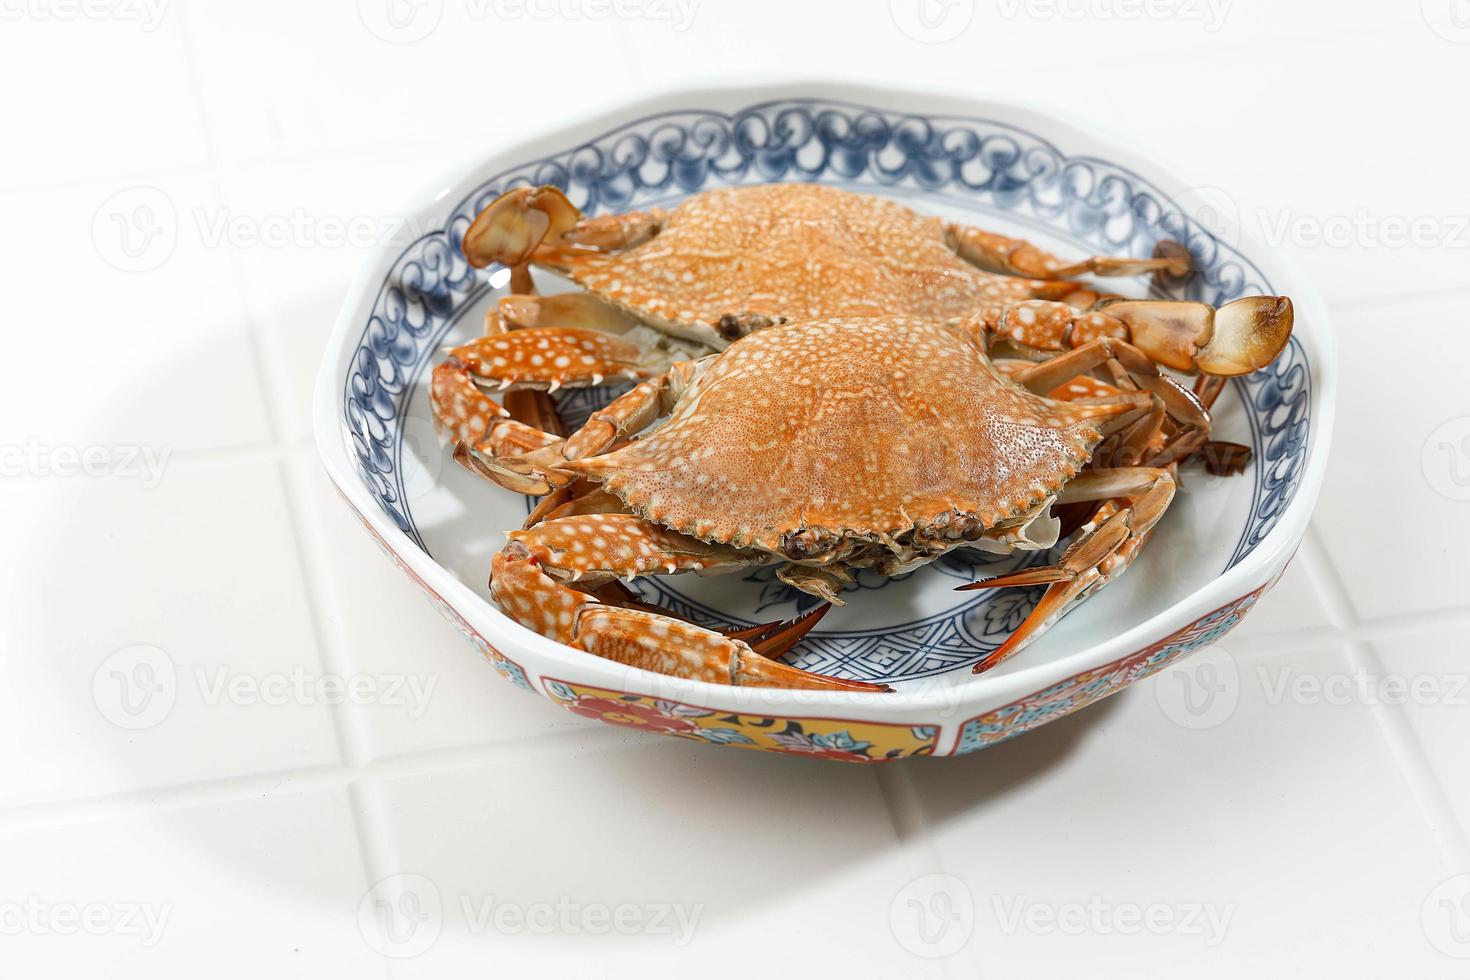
733, 326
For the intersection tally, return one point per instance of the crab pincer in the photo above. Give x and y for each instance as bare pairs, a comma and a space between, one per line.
1101, 550
532, 579
1193, 338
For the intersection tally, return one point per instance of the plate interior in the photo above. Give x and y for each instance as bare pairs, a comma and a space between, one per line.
900, 629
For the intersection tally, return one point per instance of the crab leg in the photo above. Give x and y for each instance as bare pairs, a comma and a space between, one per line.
1018, 257
548, 358
1190, 337
545, 469
532, 408
520, 311
538, 359
1178, 400
771, 640
1102, 550
517, 223
528, 581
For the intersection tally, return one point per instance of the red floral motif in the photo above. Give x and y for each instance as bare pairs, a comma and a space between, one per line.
631, 714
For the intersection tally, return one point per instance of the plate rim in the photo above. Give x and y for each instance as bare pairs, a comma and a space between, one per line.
970, 691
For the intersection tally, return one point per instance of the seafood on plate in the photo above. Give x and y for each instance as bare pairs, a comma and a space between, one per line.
661, 286
835, 444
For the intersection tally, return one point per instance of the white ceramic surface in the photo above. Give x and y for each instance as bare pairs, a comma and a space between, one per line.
1332, 833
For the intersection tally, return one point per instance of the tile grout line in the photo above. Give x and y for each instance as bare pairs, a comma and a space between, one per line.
907, 815
1449, 837
901, 802
309, 779
369, 822
1408, 751
271, 387
894, 782
351, 739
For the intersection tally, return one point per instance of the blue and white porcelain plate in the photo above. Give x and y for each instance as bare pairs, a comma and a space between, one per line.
994, 166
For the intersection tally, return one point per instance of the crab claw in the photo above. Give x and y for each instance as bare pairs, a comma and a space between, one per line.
771, 640
774, 641
1067, 580
1101, 553
461, 410
515, 223
520, 583
639, 639
549, 358
1238, 338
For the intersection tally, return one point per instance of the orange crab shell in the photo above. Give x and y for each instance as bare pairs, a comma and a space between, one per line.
864, 427
795, 251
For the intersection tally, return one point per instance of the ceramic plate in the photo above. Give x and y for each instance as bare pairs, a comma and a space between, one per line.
999, 166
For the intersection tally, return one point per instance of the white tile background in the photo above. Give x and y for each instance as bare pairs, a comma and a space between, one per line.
1324, 825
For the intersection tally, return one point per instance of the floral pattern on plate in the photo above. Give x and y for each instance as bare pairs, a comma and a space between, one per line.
818, 738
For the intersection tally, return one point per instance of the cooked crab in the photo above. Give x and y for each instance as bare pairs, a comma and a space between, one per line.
846, 443
662, 286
